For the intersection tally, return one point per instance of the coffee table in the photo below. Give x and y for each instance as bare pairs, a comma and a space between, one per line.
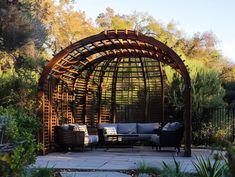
124, 139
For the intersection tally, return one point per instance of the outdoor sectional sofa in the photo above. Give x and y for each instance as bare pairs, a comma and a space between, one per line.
121, 133
75, 135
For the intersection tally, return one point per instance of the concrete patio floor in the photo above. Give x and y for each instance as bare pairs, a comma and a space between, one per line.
115, 159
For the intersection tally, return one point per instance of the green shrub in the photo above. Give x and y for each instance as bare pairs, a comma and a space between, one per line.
222, 133
21, 126
209, 135
206, 168
40, 172
203, 136
229, 158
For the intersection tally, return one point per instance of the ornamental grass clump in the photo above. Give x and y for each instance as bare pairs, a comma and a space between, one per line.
143, 168
172, 170
206, 168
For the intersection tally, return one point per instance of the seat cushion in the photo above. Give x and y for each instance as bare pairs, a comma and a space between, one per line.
93, 139
155, 139
147, 128
126, 128
145, 137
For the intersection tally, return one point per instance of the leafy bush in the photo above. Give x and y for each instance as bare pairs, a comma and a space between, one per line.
229, 158
203, 135
39, 172
21, 126
16, 160
210, 135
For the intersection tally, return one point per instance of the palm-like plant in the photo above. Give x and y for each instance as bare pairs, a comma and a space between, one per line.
206, 168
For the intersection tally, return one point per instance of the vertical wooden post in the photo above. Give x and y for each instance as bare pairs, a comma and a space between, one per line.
99, 98
49, 113
162, 93
188, 120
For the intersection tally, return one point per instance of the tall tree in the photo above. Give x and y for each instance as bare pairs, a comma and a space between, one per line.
207, 90
18, 24
65, 25
110, 20
22, 37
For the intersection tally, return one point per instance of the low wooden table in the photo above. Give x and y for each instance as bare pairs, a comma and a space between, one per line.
125, 139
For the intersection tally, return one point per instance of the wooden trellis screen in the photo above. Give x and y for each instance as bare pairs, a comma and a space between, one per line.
114, 76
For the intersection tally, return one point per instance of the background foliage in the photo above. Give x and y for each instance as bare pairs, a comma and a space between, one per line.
32, 30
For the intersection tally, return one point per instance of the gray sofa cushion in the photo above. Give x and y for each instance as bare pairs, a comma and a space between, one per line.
147, 128
126, 128
93, 139
102, 125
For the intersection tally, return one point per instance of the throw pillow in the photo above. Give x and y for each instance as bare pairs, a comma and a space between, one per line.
82, 128
166, 126
175, 126
110, 130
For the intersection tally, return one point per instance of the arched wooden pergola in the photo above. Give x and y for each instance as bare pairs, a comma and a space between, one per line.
114, 76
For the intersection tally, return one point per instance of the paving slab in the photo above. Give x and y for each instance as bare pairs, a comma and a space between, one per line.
94, 174
118, 159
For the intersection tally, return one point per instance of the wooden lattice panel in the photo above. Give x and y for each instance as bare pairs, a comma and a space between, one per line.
80, 88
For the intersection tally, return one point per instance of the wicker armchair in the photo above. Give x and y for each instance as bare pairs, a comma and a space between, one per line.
65, 138
169, 136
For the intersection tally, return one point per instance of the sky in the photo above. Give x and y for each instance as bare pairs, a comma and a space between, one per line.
190, 16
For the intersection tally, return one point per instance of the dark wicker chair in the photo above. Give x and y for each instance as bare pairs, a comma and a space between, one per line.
73, 139
169, 138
